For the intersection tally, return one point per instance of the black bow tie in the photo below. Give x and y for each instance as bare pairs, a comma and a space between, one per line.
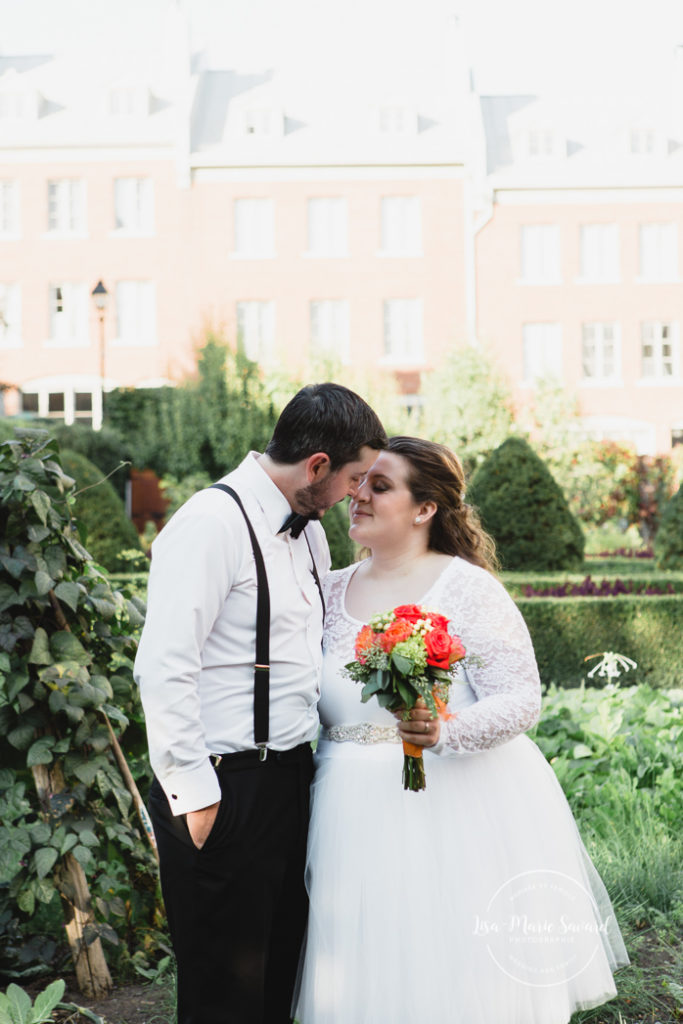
295, 523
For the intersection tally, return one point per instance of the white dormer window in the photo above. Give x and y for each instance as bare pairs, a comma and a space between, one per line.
263, 121
128, 101
643, 142
397, 120
18, 105
541, 142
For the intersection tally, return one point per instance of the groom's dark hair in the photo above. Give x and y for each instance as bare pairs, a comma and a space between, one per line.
325, 418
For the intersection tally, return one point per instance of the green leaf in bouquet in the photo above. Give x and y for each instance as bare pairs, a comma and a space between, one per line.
391, 701
373, 686
401, 664
407, 693
441, 675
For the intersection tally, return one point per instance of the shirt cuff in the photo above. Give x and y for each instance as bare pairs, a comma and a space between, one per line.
191, 790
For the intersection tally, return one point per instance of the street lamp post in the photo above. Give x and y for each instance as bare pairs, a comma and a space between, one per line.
100, 297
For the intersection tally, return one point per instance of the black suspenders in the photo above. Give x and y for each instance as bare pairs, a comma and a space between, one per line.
262, 662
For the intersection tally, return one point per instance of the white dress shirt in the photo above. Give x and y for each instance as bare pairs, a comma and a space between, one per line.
195, 662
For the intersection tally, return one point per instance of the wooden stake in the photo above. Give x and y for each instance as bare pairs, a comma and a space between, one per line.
92, 972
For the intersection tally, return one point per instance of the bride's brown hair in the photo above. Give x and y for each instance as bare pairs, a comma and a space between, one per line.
436, 475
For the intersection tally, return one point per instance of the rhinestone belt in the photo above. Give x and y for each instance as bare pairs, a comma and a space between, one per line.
363, 732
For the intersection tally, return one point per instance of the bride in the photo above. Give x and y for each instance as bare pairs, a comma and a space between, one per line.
475, 900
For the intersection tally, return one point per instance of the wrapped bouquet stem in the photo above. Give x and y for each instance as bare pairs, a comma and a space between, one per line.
401, 656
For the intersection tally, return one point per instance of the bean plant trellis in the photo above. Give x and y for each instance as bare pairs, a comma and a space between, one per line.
67, 641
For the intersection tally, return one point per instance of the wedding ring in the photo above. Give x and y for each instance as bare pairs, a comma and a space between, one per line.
426, 726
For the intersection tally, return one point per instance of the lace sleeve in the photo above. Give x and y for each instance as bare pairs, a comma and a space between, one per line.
503, 675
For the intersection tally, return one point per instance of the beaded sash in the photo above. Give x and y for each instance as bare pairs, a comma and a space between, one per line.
363, 732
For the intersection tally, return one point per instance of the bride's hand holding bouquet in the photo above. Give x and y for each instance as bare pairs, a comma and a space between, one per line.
406, 658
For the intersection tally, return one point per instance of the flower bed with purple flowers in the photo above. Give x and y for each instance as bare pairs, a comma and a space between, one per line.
618, 581
606, 588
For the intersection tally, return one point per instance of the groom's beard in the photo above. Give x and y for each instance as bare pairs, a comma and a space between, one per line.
312, 499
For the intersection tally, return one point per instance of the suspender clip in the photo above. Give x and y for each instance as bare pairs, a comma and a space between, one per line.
262, 751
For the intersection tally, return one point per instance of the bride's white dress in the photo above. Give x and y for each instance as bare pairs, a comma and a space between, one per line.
475, 900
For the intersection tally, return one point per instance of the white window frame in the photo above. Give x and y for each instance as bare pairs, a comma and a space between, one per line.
540, 254
329, 329
136, 327
658, 251
263, 122
599, 330
542, 143
66, 208
124, 101
69, 328
254, 228
403, 342
256, 329
645, 141
660, 334
69, 385
400, 226
133, 206
19, 104
599, 254
541, 352
10, 315
10, 208
328, 227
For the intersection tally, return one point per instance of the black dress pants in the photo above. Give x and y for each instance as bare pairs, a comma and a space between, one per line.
237, 908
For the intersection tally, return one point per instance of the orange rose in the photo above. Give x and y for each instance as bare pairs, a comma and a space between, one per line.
394, 634
457, 650
364, 642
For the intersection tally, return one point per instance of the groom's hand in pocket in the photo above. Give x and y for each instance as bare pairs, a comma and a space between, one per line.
200, 823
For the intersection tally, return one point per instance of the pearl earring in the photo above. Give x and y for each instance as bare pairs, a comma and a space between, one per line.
418, 520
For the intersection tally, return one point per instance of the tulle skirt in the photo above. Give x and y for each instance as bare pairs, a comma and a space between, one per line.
473, 901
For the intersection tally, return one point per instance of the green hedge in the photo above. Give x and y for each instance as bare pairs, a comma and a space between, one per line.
565, 630
618, 566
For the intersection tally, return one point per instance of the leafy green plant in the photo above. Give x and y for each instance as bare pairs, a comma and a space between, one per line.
100, 513
67, 642
669, 539
525, 511
16, 1006
617, 754
178, 491
203, 425
467, 406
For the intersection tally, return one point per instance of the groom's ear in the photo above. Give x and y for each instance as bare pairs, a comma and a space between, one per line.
317, 467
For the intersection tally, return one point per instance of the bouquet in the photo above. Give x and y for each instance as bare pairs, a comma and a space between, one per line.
403, 655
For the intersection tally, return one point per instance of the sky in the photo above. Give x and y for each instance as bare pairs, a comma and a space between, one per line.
539, 46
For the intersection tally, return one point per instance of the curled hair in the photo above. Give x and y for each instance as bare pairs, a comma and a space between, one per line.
325, 418
436, 475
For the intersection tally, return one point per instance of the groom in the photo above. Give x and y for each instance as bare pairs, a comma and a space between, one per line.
231, 819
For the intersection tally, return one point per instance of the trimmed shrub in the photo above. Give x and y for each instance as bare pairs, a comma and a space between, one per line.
669, 540
566, 630
100, 511
525, 511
